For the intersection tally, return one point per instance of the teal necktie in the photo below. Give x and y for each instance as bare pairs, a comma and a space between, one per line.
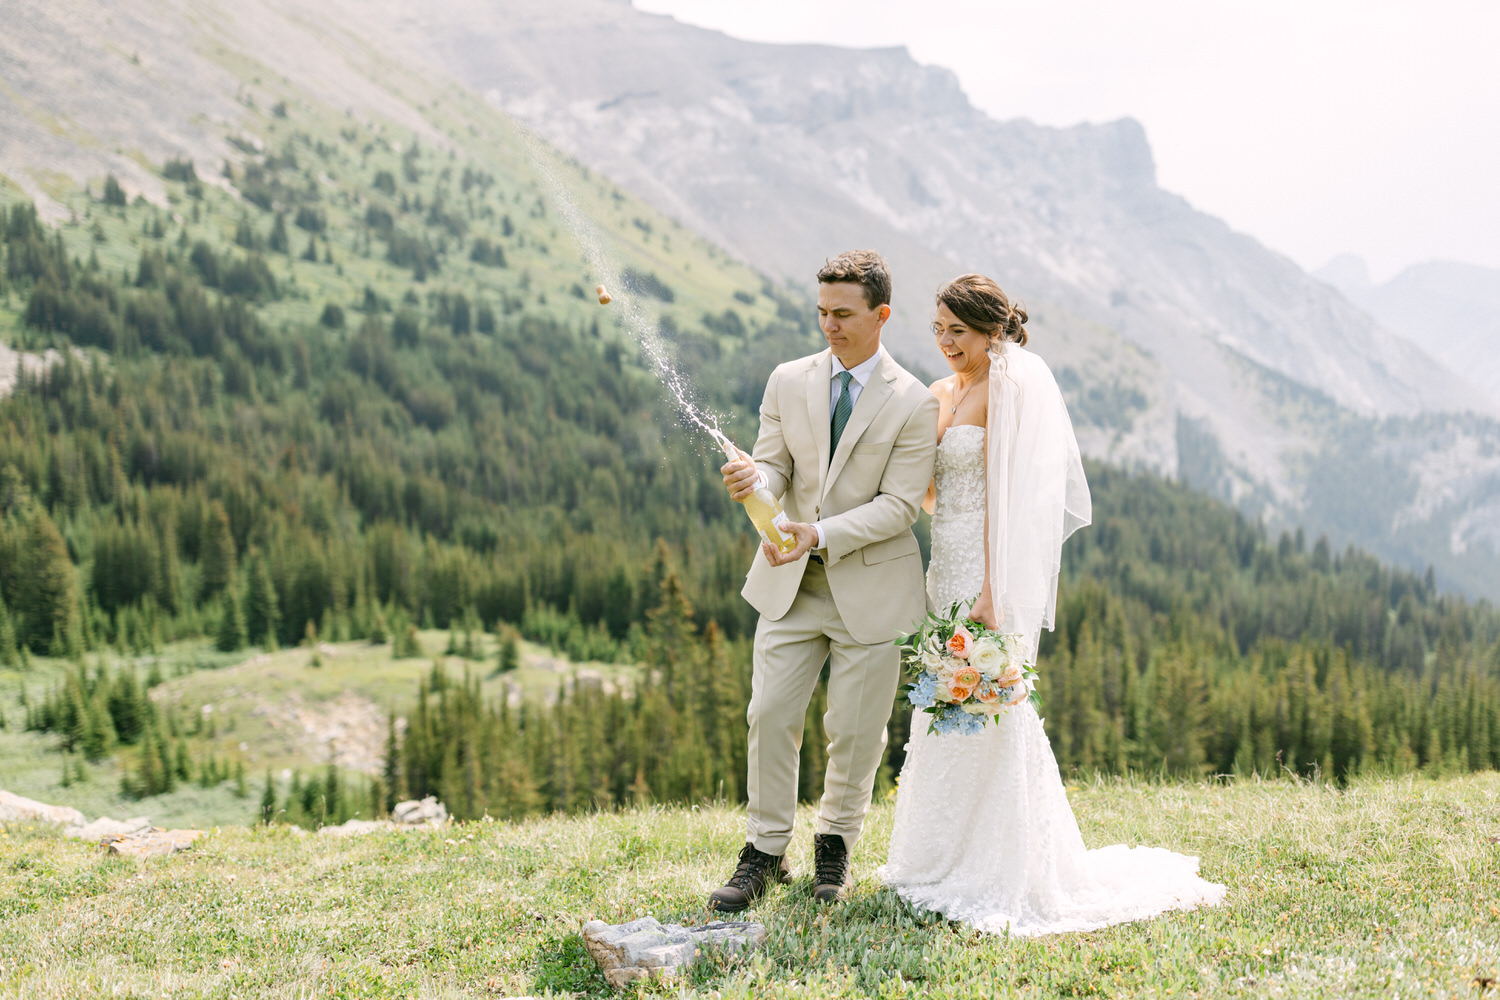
841, 411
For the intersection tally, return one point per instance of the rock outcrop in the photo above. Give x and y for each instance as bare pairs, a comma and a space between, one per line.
646, 947
428, 812
153, 842
15, 809
135, 838
138, 838
411, 814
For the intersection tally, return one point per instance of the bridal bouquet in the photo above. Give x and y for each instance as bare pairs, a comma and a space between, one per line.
964, 672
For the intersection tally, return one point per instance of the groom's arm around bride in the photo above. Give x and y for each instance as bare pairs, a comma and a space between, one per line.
847, 440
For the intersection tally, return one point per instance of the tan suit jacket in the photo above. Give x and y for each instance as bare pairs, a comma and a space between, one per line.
865, 496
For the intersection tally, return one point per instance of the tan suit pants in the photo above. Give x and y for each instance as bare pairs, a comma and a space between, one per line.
789, 655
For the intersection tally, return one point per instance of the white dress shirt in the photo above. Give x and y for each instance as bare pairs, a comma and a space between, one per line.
861, 373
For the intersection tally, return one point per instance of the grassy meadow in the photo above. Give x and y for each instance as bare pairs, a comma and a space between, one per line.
278, 711
1383, 889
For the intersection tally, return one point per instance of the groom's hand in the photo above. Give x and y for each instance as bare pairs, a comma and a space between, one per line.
740, 477
807, 537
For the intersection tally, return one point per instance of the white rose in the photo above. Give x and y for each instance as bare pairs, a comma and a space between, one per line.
988, 658
946, 668
931, 661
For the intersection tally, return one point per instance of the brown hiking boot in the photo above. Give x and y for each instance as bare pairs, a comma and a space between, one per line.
831, 872
756, 872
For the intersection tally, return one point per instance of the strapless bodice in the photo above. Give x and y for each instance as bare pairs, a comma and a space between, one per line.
956, 570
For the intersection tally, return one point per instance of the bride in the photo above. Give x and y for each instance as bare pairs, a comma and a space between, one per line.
983, 831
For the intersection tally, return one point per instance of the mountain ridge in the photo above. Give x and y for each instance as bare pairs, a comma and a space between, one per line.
783, 154
1449, 309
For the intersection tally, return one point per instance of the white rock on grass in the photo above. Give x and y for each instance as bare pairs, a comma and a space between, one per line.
153, 843
15, 809
646, 947
413, 813
105, 827
132, 837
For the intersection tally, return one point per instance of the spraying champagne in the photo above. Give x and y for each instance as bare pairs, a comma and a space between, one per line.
764, 509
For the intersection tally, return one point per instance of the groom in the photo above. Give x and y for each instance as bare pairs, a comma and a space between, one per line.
847, 439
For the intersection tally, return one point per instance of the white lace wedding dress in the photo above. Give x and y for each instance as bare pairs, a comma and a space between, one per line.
983, 831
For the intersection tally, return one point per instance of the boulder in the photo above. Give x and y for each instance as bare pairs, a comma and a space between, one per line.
15, 809
646, 947
104, 827
428, 812
152, 843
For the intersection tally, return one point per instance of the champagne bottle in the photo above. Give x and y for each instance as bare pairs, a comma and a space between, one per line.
764, 509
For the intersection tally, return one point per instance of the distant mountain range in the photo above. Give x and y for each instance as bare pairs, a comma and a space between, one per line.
1183, 346
1450, 310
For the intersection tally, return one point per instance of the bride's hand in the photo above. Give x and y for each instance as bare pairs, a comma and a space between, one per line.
983, 611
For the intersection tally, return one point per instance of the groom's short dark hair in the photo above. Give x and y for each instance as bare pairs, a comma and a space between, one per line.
864, 268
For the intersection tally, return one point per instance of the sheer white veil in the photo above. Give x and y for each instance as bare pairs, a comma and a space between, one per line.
1035, 489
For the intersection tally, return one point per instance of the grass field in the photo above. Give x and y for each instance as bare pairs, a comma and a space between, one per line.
273, 711
1387, 888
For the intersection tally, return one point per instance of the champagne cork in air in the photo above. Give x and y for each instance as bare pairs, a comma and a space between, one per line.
603, 293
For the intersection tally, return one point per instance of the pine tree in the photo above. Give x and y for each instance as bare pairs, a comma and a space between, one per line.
395, 775
332, 797
98, 729
48, 603
8, 654
510, 651
268, 800
218, 552
380, 630
183, 766
279, 242
231, 633
407, 645
262, 618
168, 580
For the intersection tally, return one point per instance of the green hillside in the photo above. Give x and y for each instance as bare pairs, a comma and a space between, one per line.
351, 391
357, 384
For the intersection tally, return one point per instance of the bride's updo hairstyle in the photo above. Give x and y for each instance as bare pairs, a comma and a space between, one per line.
980, 304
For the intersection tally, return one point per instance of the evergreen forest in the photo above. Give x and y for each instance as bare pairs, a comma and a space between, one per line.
352, 384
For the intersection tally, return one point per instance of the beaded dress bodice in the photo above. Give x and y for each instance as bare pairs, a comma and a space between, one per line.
956, 570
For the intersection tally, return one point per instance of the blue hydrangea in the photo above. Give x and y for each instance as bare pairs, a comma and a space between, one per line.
951, 719
922, 692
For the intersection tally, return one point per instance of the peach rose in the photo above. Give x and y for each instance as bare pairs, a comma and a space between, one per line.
1011, 675
1018, 694
988, 693
961, 644
957, 692
966, 676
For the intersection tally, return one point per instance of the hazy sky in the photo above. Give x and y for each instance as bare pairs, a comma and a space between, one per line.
1317, 126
